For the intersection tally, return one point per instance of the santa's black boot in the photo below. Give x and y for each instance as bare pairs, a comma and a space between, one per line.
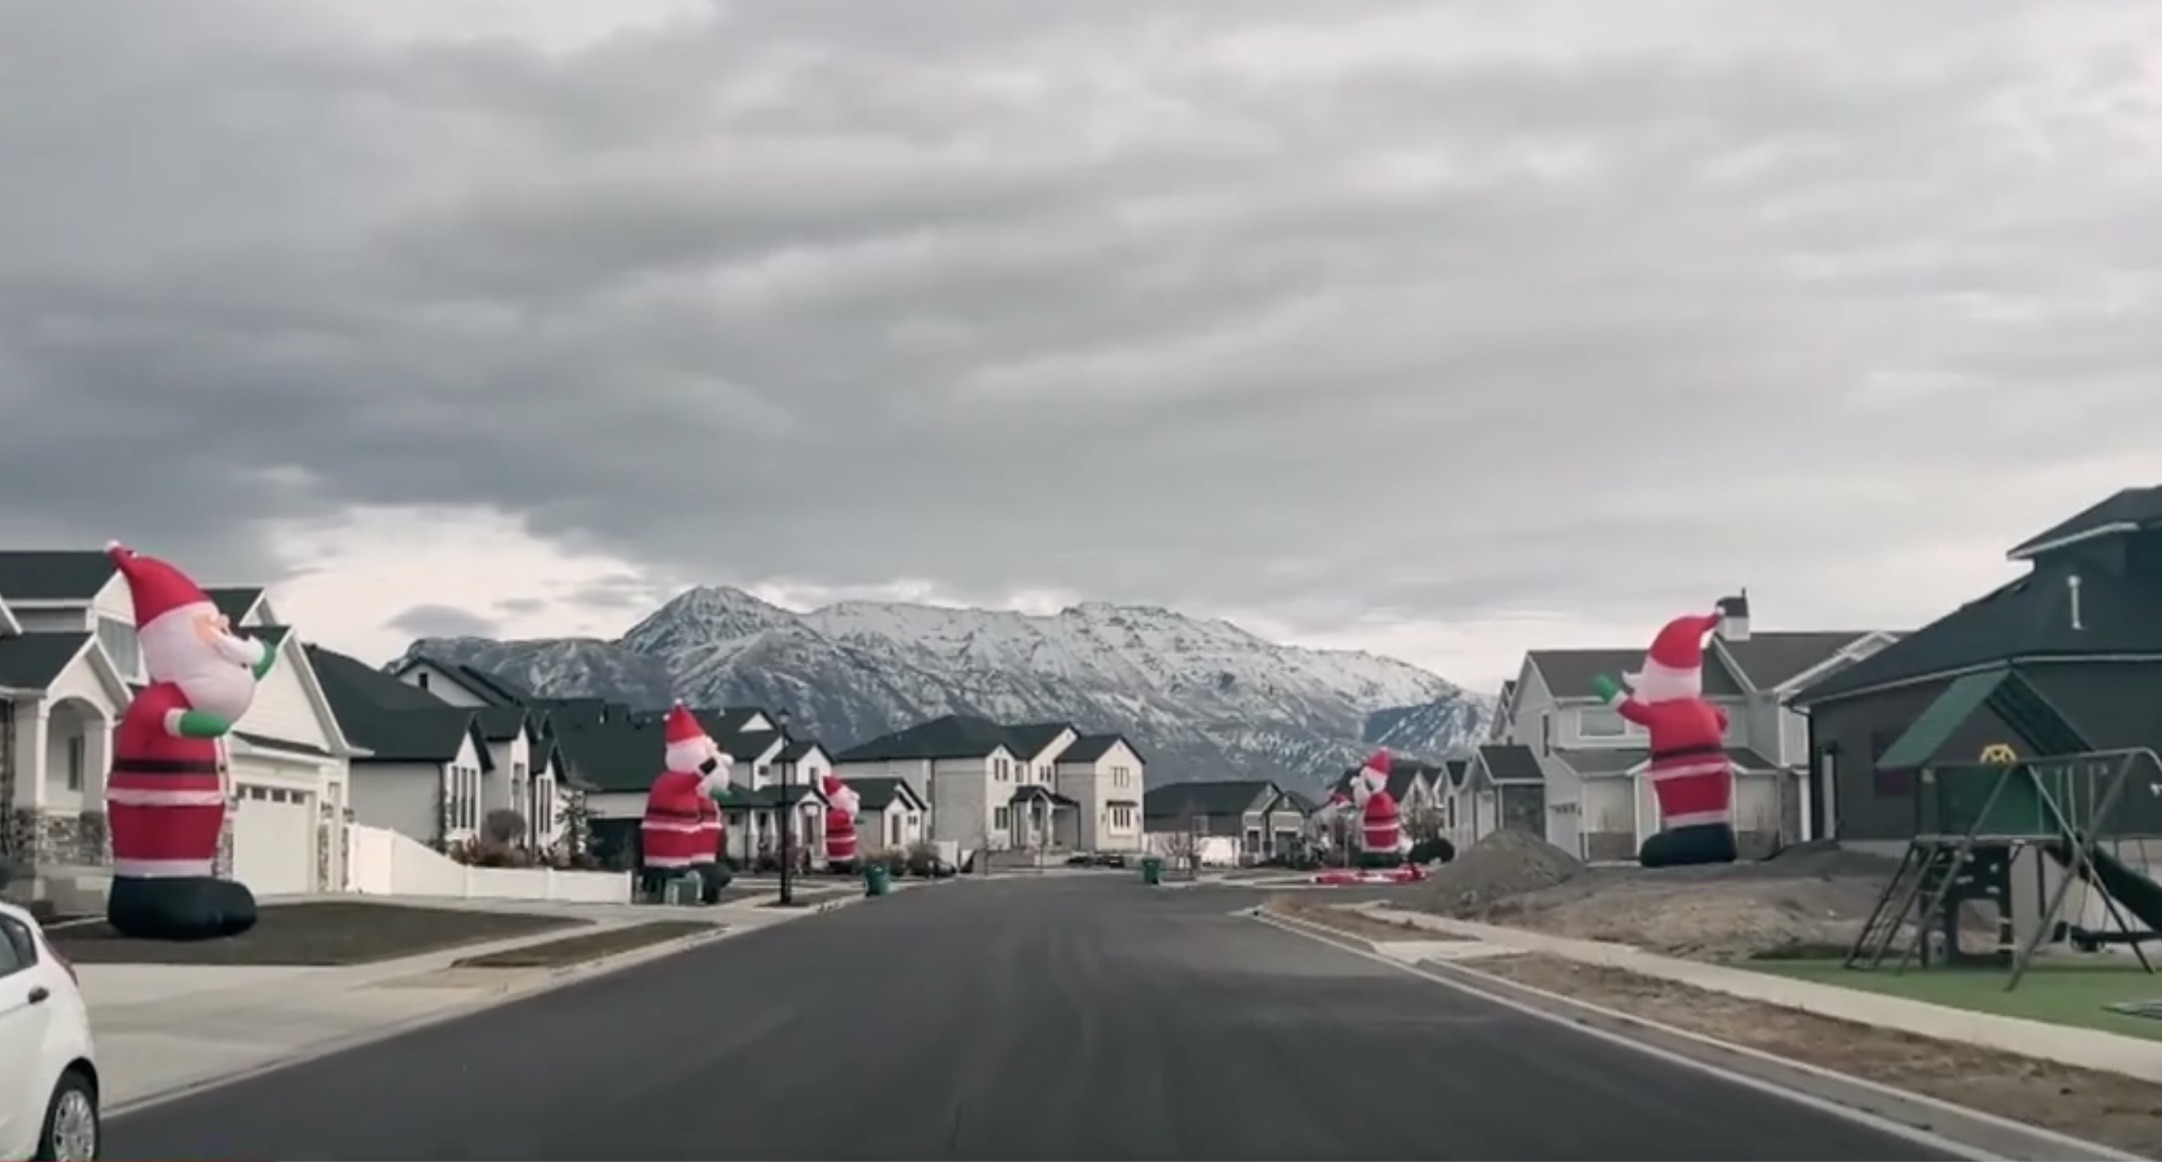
179, 908
1688, 846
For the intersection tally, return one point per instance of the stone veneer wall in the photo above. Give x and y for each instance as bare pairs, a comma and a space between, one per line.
40, 838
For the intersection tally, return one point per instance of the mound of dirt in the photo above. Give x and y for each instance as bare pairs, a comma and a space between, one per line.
1502, 866
1809, 901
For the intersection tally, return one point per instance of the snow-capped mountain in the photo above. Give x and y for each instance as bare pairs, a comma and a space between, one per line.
1203, 699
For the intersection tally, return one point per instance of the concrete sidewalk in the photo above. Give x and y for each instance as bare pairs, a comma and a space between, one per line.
163, 1029
2064, 1044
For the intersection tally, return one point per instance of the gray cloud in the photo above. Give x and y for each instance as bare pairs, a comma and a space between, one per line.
1236, 305
442, 621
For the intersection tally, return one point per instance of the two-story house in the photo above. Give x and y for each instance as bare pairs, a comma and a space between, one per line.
286, 759
1592, 761
1103, 774
2074, 643
962, 766
511, 780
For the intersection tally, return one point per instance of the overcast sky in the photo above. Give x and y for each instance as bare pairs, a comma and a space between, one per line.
1441, 329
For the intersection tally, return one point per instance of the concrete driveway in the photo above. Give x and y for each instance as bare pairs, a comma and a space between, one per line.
1064, 1017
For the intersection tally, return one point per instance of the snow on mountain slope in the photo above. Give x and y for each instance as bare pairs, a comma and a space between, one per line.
1203, 699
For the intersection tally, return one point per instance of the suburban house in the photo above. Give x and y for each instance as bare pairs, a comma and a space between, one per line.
2067, 657
1227, 821
69, 665
1036, 787
510, 723
1592, 762
427, 761
1499, 787
890, 814
1102, 773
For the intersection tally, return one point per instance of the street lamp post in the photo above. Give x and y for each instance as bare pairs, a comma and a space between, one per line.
788, 820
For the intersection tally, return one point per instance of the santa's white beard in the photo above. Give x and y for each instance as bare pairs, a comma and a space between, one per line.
1665, 684
686, 757
213, 682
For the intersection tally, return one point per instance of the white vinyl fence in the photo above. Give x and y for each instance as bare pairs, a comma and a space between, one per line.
382, 862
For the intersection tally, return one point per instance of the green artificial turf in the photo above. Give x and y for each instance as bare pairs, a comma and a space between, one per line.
2058, 991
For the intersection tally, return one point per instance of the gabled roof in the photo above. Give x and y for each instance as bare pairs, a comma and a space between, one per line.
877, 794
1456, 769
616, 754
394, 722
487, 685
1029, 741
955, 736
751, 746
1569, 673
1767, 659
1224, 798
500, 723
1511, 764
800, 749
2029, 619
235, 601
2130, 510
740, 797
1603, 761
32, 661
1298, 802
1090, 748
28, 575
1037, 791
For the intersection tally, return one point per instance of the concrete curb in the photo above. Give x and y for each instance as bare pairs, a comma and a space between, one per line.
1931, 1121
540, 981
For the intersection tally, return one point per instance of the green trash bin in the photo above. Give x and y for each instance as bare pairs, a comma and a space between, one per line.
1152, 871
877, 880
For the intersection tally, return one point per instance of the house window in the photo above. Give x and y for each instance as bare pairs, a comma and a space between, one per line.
1546, 733
1043, 774
1600, 722
893, 829
1001, 819
1005, 770
118, 638
1122, 818
76, 763
422, 679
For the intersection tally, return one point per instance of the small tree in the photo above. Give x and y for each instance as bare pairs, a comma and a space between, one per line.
1181, 845
574, 826
503, 826
1425, 823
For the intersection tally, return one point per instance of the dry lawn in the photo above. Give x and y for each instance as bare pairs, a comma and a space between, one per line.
2099, 1107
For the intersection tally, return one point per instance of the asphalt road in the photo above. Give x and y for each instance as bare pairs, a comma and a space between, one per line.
1067, 1018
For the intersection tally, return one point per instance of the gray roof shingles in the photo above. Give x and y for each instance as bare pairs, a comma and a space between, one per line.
1569, 673
33, 660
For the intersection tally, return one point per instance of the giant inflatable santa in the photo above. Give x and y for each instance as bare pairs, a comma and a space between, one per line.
165, 798
680, 833
842, 804
1691, 775
1381, 831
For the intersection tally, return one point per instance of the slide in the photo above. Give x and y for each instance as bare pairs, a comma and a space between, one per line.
2138, 894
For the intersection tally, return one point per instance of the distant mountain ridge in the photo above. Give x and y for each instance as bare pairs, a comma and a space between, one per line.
1202, 698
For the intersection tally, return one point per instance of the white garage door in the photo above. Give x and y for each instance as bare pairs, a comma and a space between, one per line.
273, 840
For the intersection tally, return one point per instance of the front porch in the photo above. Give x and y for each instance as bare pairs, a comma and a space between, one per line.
54, 753
1042, 820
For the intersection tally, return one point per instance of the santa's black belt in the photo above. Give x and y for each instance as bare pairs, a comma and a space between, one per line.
167, 767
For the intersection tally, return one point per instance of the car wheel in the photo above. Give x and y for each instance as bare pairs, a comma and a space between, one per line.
71, 1132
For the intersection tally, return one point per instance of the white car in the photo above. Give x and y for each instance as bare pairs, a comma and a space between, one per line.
48, 1071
